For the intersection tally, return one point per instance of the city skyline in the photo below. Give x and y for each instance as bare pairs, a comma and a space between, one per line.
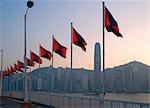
48, 18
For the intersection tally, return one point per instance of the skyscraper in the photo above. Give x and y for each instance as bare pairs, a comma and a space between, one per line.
97, 58
97, 67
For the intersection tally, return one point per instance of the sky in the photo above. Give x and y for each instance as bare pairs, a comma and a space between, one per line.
54, 17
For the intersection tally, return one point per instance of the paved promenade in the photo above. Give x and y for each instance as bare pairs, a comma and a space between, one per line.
10, 103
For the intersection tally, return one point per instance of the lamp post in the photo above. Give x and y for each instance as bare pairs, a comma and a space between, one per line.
1, 84
29, 5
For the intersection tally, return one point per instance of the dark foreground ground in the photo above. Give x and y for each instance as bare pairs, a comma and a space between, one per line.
11, 103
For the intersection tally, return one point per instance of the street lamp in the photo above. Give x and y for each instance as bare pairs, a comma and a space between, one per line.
29, 5
1, 84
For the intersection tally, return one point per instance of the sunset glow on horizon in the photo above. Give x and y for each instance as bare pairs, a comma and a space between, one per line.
48, 18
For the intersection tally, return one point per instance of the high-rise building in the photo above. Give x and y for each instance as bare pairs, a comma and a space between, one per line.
97, 58
97, 68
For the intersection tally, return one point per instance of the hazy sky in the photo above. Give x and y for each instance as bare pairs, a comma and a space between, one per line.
53, 17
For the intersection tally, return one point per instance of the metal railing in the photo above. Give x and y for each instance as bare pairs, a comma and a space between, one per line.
68, 101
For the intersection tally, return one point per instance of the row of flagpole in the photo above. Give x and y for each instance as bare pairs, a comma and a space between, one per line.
78, 40
108, 22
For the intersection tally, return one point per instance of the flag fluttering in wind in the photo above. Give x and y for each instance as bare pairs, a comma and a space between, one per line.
35, 58
4, 73
45, 53
15, 66
20, 64
78, 39
29, 62
8, 72
110, 23
12, 69
19, 69
59, 49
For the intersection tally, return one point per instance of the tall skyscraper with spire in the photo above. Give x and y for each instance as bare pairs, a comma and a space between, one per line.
97, 58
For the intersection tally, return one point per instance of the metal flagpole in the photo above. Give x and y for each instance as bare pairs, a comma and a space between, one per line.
39, 79
26, 96
39, 55
52, 50
103, 48
30, 76
71, 60
1, 73
71, 44
52, 63
29, 5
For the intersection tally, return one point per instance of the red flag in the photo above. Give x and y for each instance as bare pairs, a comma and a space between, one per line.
45, 53
59, 49
15, 66
35, 57
12, 69
4, 73
110, 24
20, 64
78, 40
19, 69
29, 62
8, 72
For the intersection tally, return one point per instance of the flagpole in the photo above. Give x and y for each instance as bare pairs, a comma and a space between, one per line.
103, 48
29, 5
26, 98
39, 71
52, 50
71, 44
52, 62
71, 59
1, 73
39, 55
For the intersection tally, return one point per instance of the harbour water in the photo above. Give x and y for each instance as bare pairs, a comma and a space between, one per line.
132, 97
129, 97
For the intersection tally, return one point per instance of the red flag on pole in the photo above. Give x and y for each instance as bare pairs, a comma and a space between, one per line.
20, 64
110, 23
59, 49
78, 39
12, 69
8, 72
45, 53
29, 62
35, 57
15, 66
4, 73
19, 69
